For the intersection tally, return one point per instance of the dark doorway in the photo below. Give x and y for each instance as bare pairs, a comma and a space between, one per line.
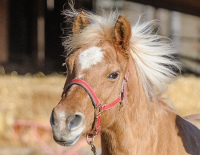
35, 42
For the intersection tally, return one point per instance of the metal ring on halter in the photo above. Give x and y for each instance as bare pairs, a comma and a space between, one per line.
90, 142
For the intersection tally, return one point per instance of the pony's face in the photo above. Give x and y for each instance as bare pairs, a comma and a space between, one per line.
103, 67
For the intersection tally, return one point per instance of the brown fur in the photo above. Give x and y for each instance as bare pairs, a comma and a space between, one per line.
140, 128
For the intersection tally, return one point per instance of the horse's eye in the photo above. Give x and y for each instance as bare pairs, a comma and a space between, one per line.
113, 75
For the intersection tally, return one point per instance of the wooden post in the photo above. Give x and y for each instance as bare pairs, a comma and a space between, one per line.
3, 31
41, 34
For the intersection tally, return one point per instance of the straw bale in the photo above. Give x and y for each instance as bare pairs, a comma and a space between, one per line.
185, 95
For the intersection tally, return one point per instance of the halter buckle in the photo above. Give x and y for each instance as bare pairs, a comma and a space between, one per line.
98, 109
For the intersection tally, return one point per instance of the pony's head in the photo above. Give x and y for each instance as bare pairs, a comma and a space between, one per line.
100, 51
99, 58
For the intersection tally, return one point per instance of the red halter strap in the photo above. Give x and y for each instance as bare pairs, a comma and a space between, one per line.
99, 108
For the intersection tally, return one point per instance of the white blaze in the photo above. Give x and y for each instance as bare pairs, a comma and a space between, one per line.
90, 57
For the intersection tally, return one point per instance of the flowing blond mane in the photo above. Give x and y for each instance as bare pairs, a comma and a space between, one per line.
153, 54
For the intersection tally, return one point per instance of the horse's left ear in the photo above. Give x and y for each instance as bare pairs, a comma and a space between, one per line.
80, 22
122, 31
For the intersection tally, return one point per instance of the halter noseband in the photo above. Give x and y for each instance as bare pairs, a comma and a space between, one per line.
98, 107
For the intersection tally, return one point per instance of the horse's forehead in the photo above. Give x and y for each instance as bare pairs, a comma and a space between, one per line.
90, 57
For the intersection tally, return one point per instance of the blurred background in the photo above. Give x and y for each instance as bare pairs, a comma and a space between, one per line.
32, 76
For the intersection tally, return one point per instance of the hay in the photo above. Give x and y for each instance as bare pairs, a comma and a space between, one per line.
185, 95
27, 98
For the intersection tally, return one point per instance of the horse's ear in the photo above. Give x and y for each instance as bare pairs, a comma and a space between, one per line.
80, 22
122, 31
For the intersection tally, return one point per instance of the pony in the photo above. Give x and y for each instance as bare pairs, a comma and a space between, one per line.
116, 75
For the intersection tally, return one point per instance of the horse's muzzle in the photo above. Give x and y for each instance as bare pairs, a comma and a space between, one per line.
66, 129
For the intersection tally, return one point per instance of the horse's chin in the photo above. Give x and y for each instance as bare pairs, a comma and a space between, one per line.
66, 137
68, 142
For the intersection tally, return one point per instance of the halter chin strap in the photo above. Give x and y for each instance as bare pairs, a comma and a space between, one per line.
99, 108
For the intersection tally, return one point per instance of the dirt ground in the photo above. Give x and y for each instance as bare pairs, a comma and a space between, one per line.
26, 103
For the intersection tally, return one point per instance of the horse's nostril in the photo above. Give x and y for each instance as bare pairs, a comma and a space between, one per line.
75, 121
52, 118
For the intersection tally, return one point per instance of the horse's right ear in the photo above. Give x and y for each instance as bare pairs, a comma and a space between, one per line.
80, 22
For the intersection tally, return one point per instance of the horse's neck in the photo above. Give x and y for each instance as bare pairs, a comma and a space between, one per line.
136, 130
140, 127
